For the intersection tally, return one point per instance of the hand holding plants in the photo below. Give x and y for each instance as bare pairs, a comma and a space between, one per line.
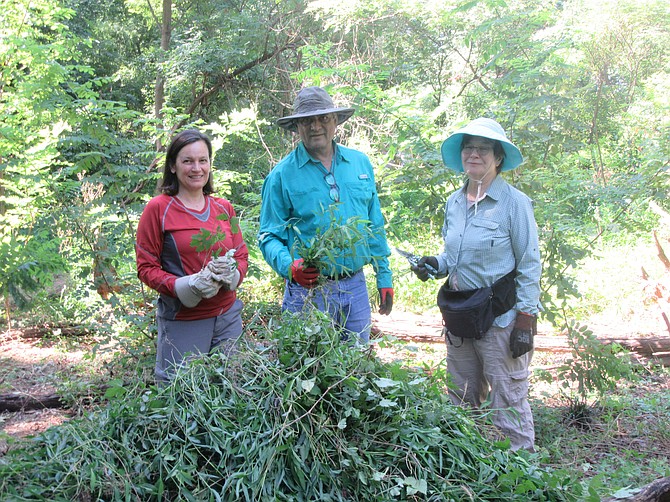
202, 284
190, 289
307, 277
224, 270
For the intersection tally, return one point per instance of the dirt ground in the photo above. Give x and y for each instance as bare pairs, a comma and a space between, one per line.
32, 366
35, 366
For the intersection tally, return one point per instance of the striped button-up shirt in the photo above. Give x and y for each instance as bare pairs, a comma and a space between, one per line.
483, 243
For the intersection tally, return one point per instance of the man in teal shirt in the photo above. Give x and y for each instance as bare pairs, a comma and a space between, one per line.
318, 185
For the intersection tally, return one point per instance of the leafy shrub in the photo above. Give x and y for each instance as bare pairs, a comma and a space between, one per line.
294, 415
593, 369
339, 238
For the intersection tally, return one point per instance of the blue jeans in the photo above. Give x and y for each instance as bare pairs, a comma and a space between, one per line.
345, 300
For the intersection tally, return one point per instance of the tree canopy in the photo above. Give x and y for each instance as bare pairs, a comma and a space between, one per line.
90, 94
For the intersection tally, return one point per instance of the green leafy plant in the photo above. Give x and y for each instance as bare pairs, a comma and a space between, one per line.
295, 414
27, 264
205, 240
339, 238
593, 369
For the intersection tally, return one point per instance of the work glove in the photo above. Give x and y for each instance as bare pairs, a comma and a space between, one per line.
190, 289
521, 339
385, 300
224, 270
426, 268
306, 277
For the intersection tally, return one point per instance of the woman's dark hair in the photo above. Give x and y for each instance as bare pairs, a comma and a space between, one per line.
498, 150
170, 183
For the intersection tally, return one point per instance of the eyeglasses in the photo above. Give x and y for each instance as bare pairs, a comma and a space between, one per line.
323, 119
482, 151
334, 189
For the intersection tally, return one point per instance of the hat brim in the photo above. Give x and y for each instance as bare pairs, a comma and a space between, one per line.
451, 148
290, 123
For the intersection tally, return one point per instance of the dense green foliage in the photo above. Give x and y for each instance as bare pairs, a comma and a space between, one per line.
83, 124
295, 415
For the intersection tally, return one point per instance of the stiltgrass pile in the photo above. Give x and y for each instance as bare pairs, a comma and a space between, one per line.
295, 414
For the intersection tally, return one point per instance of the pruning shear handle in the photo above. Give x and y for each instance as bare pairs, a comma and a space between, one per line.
413, 260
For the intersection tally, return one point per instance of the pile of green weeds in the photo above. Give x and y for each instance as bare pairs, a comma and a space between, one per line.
295, 415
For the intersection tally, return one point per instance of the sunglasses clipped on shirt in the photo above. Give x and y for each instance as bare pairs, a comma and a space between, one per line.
334, 189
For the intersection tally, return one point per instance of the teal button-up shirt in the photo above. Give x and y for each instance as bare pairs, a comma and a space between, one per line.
295, 203
483, 244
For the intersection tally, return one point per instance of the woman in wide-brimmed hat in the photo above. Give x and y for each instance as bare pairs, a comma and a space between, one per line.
319, 184
490, 234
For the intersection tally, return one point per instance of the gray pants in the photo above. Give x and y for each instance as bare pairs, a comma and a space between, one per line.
177, 339
484, 369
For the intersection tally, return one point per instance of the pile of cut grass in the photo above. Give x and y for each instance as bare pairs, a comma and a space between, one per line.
293, 416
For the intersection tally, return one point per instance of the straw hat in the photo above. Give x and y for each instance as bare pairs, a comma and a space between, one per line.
312, 101
486, 128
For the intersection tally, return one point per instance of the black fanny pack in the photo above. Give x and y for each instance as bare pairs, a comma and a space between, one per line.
470, 313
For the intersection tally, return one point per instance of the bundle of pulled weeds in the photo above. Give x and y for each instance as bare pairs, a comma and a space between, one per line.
295, 415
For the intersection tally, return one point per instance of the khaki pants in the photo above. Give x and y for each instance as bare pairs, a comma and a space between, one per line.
484, 371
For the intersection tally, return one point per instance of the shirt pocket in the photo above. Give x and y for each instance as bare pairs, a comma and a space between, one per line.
359, 194
483, 235
309, 204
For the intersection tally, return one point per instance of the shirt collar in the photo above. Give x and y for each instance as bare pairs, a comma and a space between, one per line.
304, 157
494, 191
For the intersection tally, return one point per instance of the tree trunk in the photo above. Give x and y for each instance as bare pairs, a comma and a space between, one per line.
166, 33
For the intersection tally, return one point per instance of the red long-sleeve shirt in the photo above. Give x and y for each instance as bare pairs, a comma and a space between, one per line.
164, 252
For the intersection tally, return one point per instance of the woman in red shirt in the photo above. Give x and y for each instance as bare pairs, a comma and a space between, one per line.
198, 308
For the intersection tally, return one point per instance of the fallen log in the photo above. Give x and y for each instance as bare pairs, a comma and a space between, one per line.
16, 401
21, 401
42, 331
428, 329
656, 491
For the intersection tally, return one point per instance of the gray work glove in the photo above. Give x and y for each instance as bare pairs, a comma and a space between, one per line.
224, 270
521, 339
190, 289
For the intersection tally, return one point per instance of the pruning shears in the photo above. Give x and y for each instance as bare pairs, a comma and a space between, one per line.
413, 260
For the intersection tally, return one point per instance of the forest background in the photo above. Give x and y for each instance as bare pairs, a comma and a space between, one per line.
89, 96
91, 92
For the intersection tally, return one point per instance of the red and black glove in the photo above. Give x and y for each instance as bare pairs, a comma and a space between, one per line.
306, 277
521, 339
385, 300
